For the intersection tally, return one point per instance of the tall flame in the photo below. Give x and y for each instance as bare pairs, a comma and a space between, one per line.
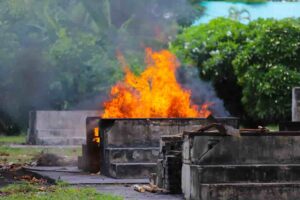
155, 93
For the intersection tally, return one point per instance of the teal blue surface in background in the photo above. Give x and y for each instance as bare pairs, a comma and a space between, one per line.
277, 10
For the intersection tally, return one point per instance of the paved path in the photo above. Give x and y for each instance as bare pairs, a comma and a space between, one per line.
103, 184
129, 194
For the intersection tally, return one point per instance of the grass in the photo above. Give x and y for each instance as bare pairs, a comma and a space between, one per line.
23, 190
273, 127
21, 155
19, 139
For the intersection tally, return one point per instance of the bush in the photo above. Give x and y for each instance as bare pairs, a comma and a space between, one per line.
268, 67
256, 64
212, 47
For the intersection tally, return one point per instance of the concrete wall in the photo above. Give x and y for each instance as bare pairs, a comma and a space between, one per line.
58, 127
257, 166
144, 132
296, 104
122, 137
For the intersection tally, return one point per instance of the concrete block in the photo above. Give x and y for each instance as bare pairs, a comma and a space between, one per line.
171, 164
214, 150
252, 166
58, 127
296, 104
131, 170
262, 173
123, 155
147, 132
172, 179
123, 139
186, 181
248, 191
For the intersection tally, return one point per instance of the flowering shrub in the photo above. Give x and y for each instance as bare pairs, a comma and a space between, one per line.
253, 67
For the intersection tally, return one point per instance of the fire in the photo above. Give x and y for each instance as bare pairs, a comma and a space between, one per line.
155, 93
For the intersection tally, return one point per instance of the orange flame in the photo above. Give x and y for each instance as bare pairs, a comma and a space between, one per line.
155, 93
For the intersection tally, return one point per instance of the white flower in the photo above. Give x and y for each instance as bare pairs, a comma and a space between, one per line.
229, 33
214, 52
195, 50
186, 45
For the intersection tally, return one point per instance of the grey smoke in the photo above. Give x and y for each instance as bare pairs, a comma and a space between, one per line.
202, 92
132, 29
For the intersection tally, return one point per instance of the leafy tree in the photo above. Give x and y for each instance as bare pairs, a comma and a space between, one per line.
247, 1
268, 67
256, 64
212, 47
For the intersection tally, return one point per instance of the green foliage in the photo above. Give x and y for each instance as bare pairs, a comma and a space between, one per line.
258, 63
268, 68
212, 47
19, 139
24, 155
245, 1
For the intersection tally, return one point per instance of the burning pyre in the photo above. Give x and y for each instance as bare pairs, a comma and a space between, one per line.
155, 93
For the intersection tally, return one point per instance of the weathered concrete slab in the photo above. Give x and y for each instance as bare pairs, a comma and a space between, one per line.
260, 149
133, 136
264, 173
131, 170
145, 132
252, 166
169, 164
119, 187
139, 154
296, 104
69, 169
74, 176
247, 191
58, 127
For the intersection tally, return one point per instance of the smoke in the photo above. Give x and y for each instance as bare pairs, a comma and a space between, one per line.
49, 60
202, 92
151, 23
26, 87
135, 25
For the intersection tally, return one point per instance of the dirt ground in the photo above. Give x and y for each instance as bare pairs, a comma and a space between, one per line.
15, 173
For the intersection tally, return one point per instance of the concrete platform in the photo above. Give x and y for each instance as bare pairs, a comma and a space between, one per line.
253, 165
103, 184
247, 191
74, 176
